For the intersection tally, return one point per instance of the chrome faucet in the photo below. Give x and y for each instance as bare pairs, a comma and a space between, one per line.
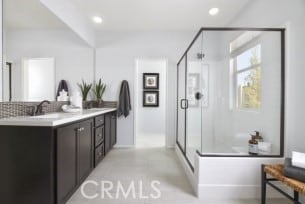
39, 107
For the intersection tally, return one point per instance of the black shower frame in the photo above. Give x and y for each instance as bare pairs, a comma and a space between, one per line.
283, 62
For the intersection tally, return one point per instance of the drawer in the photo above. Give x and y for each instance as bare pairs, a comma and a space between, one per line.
99, 135
99, 120
99, 154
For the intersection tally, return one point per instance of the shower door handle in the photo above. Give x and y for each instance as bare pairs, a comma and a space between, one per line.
185, 105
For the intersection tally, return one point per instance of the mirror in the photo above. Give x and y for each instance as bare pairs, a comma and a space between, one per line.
38, 79
39, 51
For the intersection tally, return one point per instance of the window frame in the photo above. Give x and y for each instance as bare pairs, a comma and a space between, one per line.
233, 56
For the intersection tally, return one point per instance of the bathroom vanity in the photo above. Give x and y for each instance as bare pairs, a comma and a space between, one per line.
44, 159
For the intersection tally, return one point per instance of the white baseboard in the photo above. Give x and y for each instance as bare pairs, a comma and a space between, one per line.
123, 146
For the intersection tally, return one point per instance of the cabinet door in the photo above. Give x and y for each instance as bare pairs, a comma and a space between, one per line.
107, 133
66, 162
113, 129
85, 149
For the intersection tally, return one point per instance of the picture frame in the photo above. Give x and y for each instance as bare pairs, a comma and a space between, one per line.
150, 98
150, 80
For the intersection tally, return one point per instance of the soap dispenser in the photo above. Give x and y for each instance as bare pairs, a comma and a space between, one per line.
76, 100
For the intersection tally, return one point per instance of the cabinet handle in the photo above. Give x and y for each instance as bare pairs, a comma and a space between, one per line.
101, 120
80, 129
100, 135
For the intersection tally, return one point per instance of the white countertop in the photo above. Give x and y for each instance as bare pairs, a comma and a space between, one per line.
54, 119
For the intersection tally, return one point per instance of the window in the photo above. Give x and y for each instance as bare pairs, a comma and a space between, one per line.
247, 78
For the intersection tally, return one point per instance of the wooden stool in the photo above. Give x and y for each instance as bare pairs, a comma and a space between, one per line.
277, 173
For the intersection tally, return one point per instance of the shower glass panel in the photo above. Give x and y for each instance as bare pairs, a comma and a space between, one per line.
245, 92
195, 93
181, 104
231, 84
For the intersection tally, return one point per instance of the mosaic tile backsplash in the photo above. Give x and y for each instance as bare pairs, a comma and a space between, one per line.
13, 109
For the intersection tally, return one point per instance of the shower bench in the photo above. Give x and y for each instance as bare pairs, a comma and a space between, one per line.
276, 171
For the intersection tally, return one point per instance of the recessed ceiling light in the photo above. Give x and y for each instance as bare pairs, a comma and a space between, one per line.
213, 11
97, 19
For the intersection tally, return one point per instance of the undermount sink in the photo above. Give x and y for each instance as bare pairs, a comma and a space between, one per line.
47, 116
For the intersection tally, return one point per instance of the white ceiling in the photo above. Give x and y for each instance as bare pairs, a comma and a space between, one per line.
160, 14
29, 14
128, 14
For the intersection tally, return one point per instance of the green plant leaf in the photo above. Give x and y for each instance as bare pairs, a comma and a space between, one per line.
85, 89
99, 90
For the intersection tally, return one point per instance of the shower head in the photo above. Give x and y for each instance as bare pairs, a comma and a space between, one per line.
200, 56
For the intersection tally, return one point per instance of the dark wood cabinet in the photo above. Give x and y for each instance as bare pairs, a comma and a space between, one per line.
66, 161
27, 168
99, 120
110, 131
74, 157
113, 134
99, 153
85, 149
107, 133
47, 164
99, 135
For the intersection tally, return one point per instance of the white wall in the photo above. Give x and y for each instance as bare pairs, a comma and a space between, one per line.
115, 61
73, 58
151, 120
72, 17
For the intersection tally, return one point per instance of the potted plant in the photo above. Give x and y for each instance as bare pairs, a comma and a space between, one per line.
98, 91
85, 89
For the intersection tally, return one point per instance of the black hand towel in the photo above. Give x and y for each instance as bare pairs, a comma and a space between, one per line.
62, 86
124, 100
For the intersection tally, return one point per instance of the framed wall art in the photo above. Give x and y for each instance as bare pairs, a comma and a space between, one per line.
150, 98
150, 80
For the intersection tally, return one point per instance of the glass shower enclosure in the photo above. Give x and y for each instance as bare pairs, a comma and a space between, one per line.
230, 90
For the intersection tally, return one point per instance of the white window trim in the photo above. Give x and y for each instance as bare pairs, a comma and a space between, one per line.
236, 72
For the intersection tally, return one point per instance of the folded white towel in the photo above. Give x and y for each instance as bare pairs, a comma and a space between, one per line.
264, 147
298, 159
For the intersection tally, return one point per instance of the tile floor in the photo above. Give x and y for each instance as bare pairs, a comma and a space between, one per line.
143, 166
150, 140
